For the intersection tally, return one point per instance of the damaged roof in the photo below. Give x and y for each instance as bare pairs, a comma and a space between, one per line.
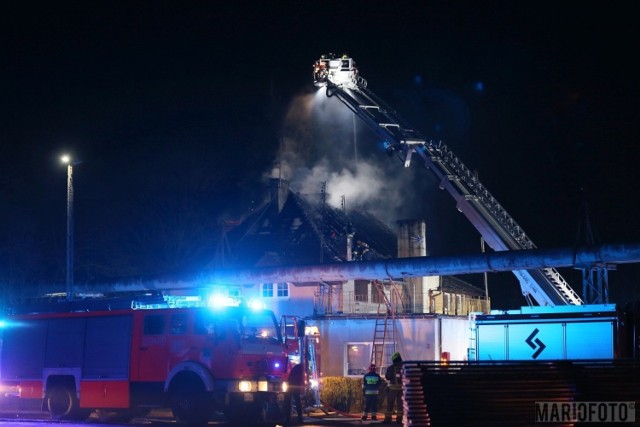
294, 229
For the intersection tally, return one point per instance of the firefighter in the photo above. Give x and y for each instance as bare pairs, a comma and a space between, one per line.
371, 383
394, 393
296, 388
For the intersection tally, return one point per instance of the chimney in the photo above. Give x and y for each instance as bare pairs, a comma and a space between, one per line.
412, 242
279, 192
412, 235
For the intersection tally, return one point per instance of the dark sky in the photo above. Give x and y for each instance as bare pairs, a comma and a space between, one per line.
186, 104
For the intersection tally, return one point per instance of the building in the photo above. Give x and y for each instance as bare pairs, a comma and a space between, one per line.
424, 318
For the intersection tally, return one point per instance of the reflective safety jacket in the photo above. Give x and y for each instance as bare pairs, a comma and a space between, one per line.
371, 383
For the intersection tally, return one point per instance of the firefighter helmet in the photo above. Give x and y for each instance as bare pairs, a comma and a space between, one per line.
396, 358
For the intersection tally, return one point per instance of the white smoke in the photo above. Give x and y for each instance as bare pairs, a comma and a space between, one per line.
323, 145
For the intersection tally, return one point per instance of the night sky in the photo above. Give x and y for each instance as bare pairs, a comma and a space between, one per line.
179, 111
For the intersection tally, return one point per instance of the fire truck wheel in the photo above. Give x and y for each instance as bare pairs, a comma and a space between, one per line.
62, 404
189, 403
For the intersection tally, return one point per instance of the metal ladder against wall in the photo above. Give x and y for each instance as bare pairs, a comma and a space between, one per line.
385, 326
313, 370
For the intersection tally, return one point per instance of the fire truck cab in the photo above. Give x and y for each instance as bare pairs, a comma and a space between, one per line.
129, 360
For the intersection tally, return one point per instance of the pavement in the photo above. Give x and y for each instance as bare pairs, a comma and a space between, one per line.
330, 418
14, 410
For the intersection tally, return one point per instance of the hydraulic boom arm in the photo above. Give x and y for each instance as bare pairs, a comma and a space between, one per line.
341, 78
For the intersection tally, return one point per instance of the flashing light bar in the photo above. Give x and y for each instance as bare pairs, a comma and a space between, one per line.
218, 301
215, 300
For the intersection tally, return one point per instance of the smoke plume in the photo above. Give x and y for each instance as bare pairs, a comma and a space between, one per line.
323, 142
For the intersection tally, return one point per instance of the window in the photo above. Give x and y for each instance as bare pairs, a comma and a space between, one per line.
283, 290
234, 293
260, 325
361, 290
178, 324
154, 324
275, 290
358, 358
206, 324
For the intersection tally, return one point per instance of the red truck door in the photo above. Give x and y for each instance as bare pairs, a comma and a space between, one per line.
153, 351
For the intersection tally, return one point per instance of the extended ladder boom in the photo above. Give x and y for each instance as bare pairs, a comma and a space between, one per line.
341, 78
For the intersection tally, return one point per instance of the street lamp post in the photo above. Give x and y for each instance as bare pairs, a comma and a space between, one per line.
67, 159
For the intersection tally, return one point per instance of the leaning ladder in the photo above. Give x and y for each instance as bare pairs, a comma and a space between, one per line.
384, 330
313, 368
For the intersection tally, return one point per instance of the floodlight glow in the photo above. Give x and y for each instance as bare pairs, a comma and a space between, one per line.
313, 384
295, 359
311, 330
255, 304
65, 159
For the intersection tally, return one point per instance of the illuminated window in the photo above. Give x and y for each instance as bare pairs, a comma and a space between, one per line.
359, 357
275, 290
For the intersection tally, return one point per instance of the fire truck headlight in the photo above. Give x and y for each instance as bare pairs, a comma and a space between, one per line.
285, 386
244, 386
263, 386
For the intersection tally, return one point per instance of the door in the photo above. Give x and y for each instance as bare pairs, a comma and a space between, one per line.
154, 354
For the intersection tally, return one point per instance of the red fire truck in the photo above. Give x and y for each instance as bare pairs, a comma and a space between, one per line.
114, 358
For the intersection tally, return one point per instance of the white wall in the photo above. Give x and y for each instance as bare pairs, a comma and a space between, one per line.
417, 339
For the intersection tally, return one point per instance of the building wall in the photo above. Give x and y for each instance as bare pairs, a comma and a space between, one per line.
416, 339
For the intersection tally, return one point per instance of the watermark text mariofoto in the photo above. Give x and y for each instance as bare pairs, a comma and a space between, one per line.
585, 412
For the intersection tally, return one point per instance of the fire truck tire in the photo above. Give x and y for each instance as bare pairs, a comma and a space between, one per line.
189, 402
63, 404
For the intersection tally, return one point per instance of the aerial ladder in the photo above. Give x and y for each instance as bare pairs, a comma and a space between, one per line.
340, 76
